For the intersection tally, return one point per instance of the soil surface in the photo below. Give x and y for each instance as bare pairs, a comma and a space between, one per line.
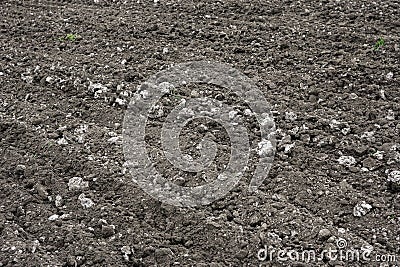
66, 196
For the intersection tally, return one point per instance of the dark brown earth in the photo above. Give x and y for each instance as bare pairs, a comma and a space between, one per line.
332, 94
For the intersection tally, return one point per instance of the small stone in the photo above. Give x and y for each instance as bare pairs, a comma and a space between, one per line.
271, 84
361, 209
126, 251
389, 76
241, 254
20, 169
324, 234
107, 230
331, 239
194, 93
390, 116
85, 202
370, 163
344, 186
290, 116
53, 217
255, 220
394, 180
70, 261
58, 201
77, 183
41, 191
347, 160
163, 255
62, 141
120, 101
115, 140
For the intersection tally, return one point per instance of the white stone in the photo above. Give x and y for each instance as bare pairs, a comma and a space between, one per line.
115, 140
76, 183
361, 209
394, 177
291, 116
62, 141
58, 201
53, 217
120, 101
347, 160
232, 114
265, 147
85, 202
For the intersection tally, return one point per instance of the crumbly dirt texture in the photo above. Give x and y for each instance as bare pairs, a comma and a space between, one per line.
66, 197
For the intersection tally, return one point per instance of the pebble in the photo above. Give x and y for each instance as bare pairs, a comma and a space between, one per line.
361, 209
290, 116
255, 220
53, 217
107, 230
370, 163
70, 261
324, 234
58, 201
126, 251
194, 93
271, 84
20, 169
62, 141
41, 191
115, 140
77, 183
390, 116
85, 202
347, 160
394, 180
163, 255
120, 101
389, 76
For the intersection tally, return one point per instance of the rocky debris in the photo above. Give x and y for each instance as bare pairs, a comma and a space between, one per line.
58, 201
115, 140
290, 116
126, 251
85, 202
255, 220
389, 75
62, 141
347, 161
53, 217
20, 169
370, 163
77, 183
97, 89
394, 180
324, 234
361, 209
107, 230
41, 191
163, 255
